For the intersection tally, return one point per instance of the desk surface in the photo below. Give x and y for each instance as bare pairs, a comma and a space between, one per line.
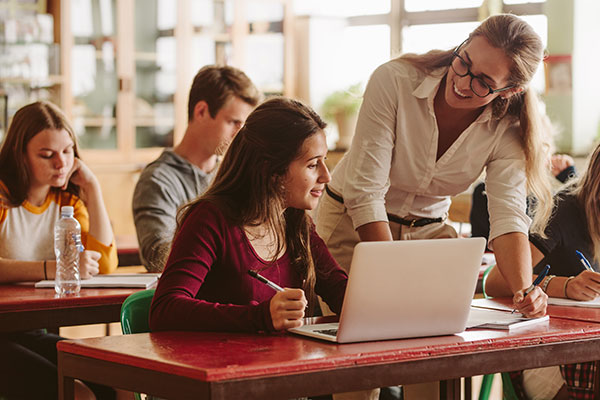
24, 307
221, 365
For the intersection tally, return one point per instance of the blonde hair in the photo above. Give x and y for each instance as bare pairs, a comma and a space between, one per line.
587, 191
524, 48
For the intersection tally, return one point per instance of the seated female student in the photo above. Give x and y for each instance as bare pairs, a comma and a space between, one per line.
40, 171
573, 227
253, 218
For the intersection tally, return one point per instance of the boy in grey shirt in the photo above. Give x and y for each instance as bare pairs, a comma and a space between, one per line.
221, 98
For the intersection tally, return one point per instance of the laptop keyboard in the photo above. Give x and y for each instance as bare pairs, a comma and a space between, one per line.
330, 332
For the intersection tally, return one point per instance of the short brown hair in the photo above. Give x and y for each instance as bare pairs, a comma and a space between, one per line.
26, 123
216, 84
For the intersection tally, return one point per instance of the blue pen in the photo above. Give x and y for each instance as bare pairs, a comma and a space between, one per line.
538, 280
584, 261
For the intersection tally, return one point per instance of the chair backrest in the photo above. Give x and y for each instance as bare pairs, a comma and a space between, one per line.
135, 311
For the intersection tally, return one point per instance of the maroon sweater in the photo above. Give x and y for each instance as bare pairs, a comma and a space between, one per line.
205, 285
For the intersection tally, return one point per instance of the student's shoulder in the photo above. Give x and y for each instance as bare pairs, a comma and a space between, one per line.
207, 211
4, 200
65, 198
565, 201
166, 172
167, 164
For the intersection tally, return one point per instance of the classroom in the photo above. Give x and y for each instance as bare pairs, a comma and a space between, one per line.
227, 164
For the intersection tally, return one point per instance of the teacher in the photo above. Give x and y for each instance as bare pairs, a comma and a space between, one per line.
429, 125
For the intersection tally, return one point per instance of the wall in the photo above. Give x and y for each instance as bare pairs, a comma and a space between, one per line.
574, 30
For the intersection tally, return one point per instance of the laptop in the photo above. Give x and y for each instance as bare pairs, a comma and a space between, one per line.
405, 289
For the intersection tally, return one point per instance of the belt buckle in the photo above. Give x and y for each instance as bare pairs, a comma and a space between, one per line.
412, 223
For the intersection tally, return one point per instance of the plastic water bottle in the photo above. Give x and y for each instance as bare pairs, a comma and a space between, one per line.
67, 246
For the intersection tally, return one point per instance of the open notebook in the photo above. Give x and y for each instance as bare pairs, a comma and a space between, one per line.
405, 289
143, 281
557, 301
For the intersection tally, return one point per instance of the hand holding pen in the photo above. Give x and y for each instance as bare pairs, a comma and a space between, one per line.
586, 285
536, 282
286, 307
586, 264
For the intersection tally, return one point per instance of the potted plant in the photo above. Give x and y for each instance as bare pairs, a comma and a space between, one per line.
342, 107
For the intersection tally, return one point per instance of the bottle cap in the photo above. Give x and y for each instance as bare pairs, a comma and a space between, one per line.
66, 211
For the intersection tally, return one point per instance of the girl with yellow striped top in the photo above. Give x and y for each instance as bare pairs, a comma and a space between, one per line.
40, 171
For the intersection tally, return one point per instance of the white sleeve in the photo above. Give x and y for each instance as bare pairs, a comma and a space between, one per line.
367, 172
506, 187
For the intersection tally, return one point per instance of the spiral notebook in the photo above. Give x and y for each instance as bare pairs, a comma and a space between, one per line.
143, 281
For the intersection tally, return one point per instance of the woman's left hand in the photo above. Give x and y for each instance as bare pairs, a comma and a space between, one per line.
533, 305
81, 175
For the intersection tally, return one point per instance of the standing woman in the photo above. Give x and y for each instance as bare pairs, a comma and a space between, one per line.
40, 171
253, 218
429, 125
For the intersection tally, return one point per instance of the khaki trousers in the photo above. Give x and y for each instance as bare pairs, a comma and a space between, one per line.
336, 229
334, 225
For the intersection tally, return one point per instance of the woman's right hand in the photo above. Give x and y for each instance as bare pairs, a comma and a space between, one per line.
287, 309
533, 305
585, 286
88, 263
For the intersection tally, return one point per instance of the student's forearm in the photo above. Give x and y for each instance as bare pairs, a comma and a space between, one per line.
26, 271
496, 285
100, 227
513, 259
375, 231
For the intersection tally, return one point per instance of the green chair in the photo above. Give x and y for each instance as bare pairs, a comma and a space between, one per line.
134, 312
508, 391
134, 315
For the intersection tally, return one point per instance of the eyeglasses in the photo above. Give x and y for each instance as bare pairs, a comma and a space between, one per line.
478, 85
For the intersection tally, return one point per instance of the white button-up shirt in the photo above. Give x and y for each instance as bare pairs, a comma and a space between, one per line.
391, 166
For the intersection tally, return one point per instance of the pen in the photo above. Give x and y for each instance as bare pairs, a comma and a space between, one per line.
264, 280
536, 282
584, 261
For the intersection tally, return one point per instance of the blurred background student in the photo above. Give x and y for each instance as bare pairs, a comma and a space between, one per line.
40, 171
220, 99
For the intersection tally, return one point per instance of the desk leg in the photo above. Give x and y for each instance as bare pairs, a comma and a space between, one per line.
66, 387
468, 388
450, 389
597, 381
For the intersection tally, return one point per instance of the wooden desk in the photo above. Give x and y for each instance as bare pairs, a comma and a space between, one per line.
24, 307
197, 365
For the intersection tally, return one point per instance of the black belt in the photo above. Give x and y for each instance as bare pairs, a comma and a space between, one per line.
417, 222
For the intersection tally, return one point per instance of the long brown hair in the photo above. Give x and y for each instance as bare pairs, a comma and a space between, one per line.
248, 186
525, 50
26, 123
587, 190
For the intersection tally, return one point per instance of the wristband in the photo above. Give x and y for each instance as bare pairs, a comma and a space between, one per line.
566, 283
546, 282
